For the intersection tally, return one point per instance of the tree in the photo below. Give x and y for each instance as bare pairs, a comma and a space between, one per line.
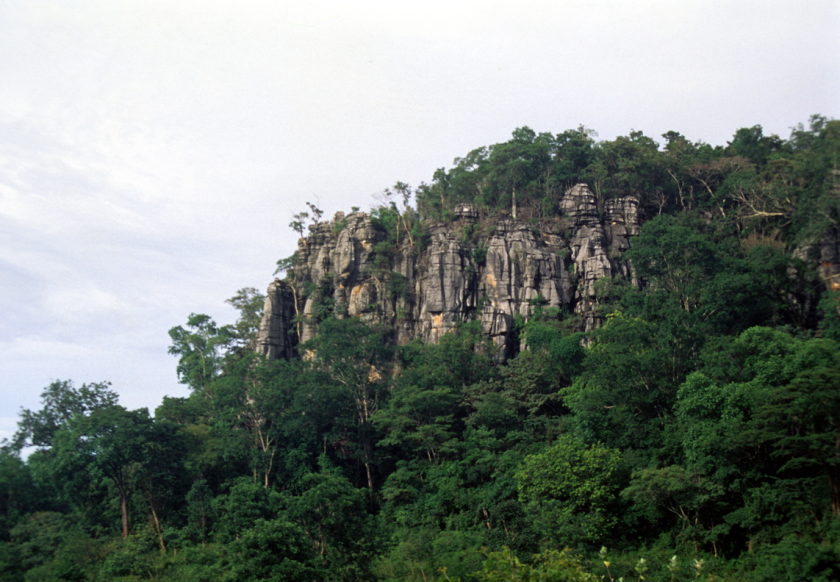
61, 402
524, 398
317, 213
243, 507
200, 513
624, 394
159, 474
40, 545
521, 164
333, 515
758, 432
355, 355
298, 222
249, 303
802, 423
569, 487
750, 142
700, 280
683, 493
256, 398
677, 259
550, 566
420, 419
19, 492
404, 190
573, 152
200, 348
421, 412
272, 550
106, 444
633, 167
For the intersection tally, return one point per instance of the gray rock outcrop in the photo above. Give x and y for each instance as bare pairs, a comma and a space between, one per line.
496, 270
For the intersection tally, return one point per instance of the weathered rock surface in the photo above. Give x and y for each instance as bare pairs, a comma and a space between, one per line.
829, 265
494, 270
275, 339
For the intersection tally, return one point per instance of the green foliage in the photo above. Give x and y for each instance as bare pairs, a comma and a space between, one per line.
551, 566
569, 489
200, 348
333, 515
397, 286
249, 303
317, 213
624, 393
288, 265
339, 225
242, 507
683, 495
421, 412
200, 511
298, 222
61, 402
479, 255
108, 444
423, 553
130, 558
19, 492
694, 429
794, 558
395, 225
523, 398
38, 537
565, 352
830, 307
272, 550
801, 421
356, 358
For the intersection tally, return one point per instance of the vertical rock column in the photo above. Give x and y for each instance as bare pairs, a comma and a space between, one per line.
588, 246
276, 338
621, 223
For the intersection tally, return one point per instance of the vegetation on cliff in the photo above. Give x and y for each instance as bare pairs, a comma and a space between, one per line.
692, 434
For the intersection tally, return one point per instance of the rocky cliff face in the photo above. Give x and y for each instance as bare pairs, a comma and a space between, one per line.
494, 270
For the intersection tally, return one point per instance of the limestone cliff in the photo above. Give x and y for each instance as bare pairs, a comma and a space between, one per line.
496, 270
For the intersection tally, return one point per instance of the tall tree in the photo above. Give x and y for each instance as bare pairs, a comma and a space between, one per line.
61, 402
256, 398
569, 487
200, 347
106, 444
356, 356
249, 303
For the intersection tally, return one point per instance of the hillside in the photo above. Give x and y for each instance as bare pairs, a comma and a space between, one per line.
569, 360
480, 254
497, 270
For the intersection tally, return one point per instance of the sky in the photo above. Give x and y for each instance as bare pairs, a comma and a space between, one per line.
152, 153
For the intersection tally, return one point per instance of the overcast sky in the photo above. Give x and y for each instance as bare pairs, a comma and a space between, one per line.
152, 153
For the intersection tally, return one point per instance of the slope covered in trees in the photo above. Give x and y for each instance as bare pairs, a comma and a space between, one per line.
694, 434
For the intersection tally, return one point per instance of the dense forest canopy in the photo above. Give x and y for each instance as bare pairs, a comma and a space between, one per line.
692, 435
779, 186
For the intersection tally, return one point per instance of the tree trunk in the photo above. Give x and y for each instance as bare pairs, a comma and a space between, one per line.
124, 509
407, 231
368, 458
158, 529
297, 311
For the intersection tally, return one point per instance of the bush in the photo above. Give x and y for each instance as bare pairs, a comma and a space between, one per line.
479, 255
550, 566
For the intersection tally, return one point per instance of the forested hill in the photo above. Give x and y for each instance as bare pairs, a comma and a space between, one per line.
548, 222
623, 348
